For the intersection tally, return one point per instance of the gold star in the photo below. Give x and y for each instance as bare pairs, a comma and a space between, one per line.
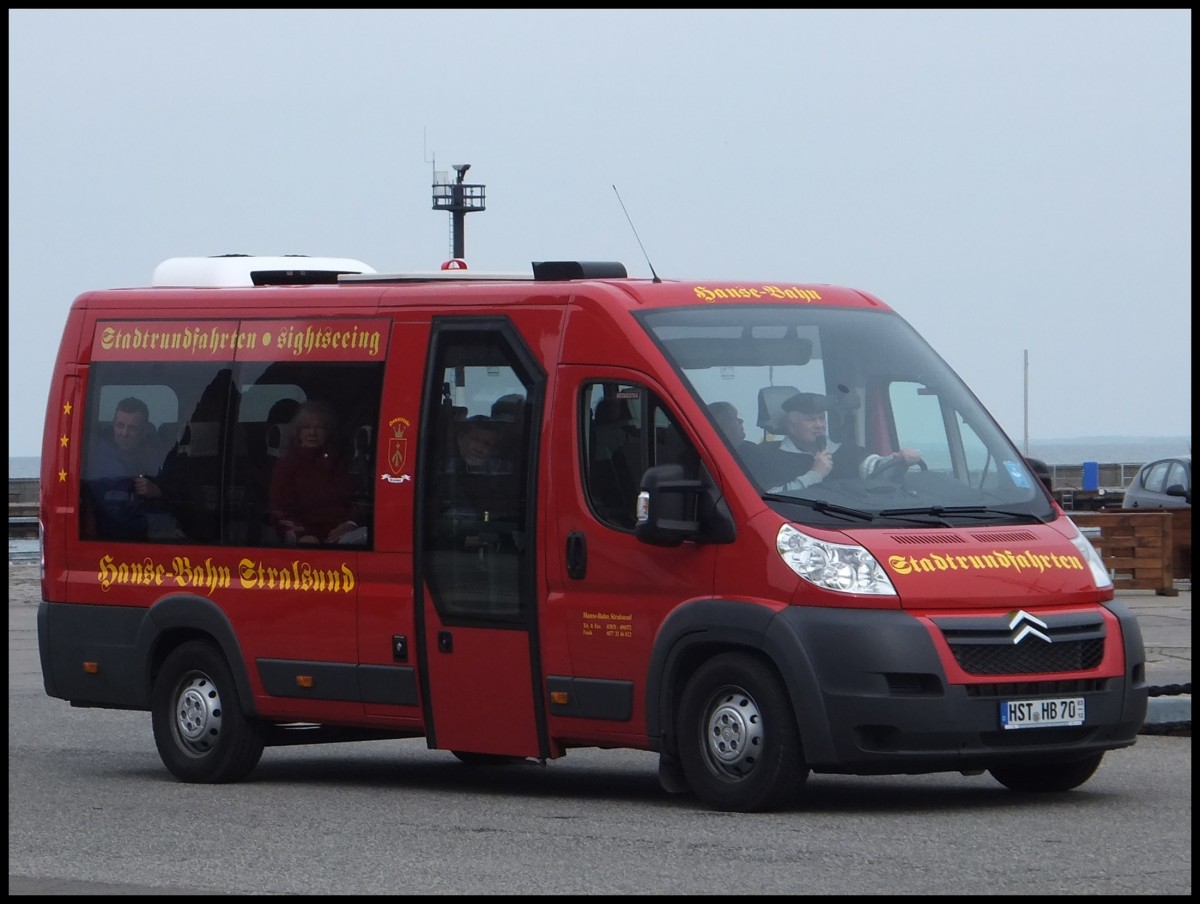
64, 440
66, 408
62, 476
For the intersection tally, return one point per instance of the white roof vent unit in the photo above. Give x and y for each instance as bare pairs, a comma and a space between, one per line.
228, 270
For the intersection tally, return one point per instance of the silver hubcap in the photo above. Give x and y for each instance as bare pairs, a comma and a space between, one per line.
198, 715
734, 733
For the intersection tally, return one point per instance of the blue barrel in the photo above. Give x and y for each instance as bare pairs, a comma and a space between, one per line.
1091, 475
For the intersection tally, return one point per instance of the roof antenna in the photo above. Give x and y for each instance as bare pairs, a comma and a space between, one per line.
636, 236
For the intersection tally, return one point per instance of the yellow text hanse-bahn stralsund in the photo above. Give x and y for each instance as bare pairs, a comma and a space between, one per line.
210, 576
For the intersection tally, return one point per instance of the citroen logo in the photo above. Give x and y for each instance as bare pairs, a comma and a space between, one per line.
1026, 622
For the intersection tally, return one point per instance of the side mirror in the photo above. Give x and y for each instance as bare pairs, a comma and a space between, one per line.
672, 508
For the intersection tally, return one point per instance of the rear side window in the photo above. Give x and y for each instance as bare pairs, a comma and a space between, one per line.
194, 433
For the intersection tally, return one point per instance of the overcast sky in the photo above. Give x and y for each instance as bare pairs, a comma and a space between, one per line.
1010, 181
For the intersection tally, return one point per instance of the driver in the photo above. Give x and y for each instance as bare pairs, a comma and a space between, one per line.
806, 455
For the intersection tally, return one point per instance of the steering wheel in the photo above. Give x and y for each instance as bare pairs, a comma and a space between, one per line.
895, 468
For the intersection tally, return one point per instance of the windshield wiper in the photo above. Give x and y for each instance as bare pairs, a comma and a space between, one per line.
962, 511
820, 505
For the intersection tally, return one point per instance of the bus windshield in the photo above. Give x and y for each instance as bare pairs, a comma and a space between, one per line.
847, 414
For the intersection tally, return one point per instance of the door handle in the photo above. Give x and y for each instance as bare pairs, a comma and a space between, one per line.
445, 642
576, 554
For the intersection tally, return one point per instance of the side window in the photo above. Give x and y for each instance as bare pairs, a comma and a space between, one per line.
1156, 477
918, 424
614, 458
982, 471
303, 456
134, 420
949, 444
192, 481
1176, 476
476, 515
671, 445
625, 430
209, 454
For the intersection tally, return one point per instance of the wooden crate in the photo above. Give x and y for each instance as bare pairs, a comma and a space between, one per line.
1138, 547
1181, 529
1180, 539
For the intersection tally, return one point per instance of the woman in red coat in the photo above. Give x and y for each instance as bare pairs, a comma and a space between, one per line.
312, 490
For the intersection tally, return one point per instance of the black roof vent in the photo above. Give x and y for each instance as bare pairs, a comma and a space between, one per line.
550, 271
296, 277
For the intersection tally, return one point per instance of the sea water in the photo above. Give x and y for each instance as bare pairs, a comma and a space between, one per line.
24, 466
24, 549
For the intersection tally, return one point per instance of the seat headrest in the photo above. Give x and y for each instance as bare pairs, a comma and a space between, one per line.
279, 437
362, 441
200, 439
282, 411
168, 433
614, 411
845, 399
770, 407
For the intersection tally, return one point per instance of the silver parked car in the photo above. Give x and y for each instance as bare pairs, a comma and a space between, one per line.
1165, 483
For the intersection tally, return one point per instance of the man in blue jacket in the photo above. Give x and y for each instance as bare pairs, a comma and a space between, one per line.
126, 501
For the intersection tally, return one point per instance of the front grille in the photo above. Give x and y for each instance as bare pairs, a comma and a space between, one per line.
1013, 644
1032, 656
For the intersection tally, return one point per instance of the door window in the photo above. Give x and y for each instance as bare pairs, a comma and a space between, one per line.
476, 508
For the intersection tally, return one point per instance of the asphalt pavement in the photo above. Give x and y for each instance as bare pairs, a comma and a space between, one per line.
1166, 623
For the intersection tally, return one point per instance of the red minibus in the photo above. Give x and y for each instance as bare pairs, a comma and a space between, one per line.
292, 500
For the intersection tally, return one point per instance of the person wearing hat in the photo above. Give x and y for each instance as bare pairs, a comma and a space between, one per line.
806, 455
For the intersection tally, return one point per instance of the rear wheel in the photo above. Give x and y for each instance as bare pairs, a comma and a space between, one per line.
1047, 777
200, 729
739, 746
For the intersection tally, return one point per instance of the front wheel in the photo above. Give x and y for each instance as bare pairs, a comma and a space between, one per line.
739, 746
1047, 777
200, 729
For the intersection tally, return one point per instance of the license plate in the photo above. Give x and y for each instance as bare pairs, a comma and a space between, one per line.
1063, 711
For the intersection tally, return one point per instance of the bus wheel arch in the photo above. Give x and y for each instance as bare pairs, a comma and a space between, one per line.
176, 620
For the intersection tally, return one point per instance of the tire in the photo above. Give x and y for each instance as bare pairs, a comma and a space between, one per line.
201, 731
739, 746
1047, 777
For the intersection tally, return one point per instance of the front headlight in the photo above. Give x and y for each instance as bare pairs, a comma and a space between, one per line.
1089, 554
833, 566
